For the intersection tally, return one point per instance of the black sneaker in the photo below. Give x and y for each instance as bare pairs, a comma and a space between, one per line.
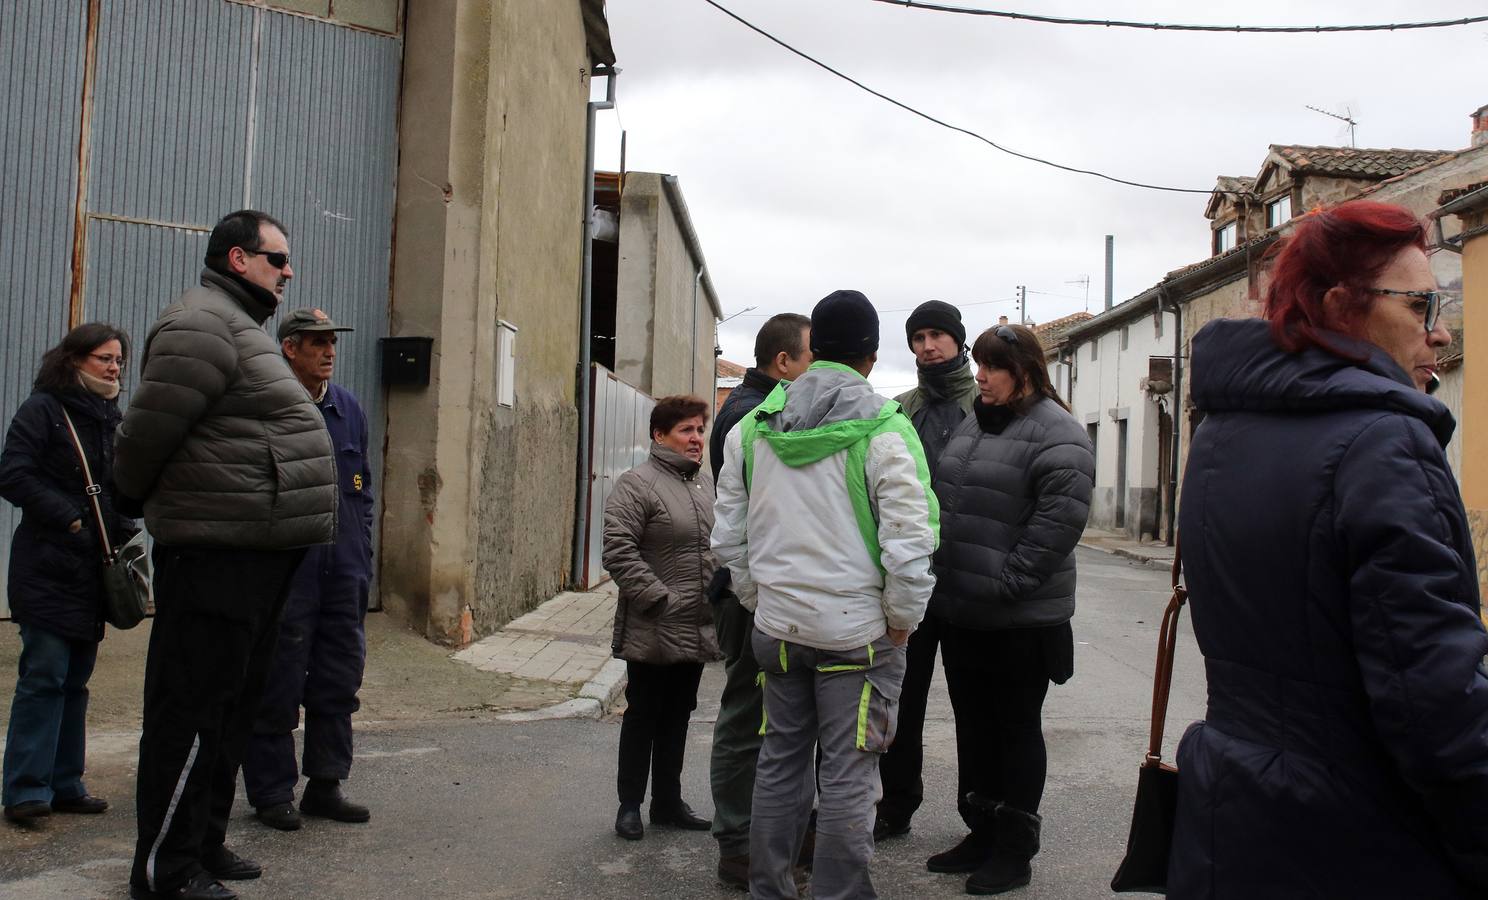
200, 886
229, 866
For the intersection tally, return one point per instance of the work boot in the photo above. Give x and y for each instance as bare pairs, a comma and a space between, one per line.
282, 816
83, 805
1017, 843
679, 815
323, 799
733, 871
628, 822
200, 886
226, 865
28, 811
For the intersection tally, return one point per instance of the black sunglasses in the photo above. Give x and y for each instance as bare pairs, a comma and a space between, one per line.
1426, 304
1006, 333
277, 260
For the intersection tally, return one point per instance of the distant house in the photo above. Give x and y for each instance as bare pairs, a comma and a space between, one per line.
1127, 366
730, 375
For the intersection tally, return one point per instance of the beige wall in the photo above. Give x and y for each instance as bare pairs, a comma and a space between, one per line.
479, 498
1473, 435
664, 318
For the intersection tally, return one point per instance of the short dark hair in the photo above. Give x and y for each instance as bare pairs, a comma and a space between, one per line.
58, 369
237, 229
780, 334
1022, 357
671, 410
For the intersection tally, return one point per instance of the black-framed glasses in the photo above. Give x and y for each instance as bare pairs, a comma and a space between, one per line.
1007, 333
276, 259
1426, 304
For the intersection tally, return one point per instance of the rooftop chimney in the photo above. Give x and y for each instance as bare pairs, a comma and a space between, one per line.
1002, 320
1480, 127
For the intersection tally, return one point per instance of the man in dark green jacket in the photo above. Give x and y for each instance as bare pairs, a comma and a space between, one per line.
939, 404
237, 476
781, 353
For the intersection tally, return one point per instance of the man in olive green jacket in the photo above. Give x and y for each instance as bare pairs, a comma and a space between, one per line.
236, 474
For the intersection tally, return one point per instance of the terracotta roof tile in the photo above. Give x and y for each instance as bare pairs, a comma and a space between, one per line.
1351, 162
1053, 331
725, 369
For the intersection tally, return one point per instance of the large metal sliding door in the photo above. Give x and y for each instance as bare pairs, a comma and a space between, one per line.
192, 108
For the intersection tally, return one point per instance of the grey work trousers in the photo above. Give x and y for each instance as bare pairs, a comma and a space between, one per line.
846, 700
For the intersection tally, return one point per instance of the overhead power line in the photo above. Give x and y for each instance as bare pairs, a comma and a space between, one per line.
944, 124
1161, 26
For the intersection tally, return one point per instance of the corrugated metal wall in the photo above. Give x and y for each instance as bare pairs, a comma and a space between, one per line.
199, 107
39, 122
620, 440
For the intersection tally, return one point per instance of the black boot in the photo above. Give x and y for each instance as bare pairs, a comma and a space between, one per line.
323, 799
1017, 834
975, 848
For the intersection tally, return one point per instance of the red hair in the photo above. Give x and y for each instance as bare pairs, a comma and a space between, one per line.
1345, 246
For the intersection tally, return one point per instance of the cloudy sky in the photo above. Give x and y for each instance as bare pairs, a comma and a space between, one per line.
799, 183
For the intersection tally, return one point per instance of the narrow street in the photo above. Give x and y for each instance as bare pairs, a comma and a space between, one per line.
465, 806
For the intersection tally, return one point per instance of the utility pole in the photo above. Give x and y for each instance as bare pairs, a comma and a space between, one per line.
1022, 305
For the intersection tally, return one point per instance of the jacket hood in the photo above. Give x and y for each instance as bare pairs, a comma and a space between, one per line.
1238, 367
828, 409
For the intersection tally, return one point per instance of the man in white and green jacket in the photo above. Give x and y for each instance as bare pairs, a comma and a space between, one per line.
826, 521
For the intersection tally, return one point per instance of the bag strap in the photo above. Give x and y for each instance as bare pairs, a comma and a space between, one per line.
92, 489
1167, 642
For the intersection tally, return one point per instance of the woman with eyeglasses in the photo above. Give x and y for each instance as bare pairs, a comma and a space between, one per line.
55, 582
1014, 485
1331, 580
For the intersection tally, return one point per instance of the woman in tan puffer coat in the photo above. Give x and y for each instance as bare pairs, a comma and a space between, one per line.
656, 529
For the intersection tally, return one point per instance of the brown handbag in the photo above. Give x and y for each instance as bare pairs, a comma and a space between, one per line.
1145, 866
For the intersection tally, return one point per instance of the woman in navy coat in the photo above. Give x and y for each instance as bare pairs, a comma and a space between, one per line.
55, 582
1344, 752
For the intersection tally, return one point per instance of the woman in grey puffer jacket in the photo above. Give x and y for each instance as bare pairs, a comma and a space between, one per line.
657, 525
1014, 485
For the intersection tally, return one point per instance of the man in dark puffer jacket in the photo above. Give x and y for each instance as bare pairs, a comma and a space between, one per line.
236, 473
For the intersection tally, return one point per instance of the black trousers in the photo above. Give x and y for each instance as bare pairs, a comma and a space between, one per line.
653, 735
997, 681
900, 768
216, 620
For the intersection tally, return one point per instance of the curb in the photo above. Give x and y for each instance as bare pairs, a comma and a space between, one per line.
1098, 548
596, 697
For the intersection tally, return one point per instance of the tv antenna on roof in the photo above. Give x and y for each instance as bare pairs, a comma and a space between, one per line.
1347, 117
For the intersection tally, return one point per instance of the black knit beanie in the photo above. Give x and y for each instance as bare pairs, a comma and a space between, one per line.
935, 314
844, 325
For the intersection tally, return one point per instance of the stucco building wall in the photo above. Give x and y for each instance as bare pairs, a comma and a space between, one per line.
479, 497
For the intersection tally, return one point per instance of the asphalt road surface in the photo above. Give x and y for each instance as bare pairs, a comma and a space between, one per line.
472, 807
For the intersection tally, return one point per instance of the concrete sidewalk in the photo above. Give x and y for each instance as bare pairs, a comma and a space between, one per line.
565, 642
1119, 544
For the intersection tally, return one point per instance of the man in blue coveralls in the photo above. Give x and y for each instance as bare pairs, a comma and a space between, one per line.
322, 639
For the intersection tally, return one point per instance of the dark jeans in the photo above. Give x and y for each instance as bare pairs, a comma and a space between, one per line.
900, 768
736, 733
46, 741
997, 682
653, 735
318, 663
217, 616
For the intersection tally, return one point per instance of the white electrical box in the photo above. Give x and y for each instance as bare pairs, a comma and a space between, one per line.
506, 363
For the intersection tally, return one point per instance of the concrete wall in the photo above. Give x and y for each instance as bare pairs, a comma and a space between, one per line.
665, 321
479, 498
1450, 393
1472, 434
1113, 381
